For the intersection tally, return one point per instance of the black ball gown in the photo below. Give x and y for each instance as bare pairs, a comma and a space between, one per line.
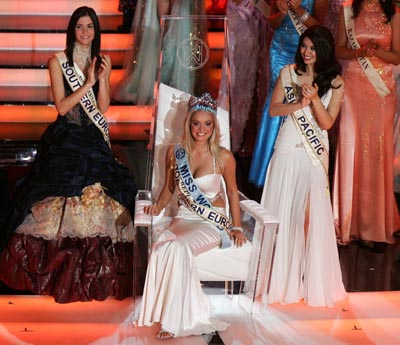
70, 231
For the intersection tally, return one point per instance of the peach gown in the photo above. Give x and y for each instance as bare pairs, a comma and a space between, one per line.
364, 202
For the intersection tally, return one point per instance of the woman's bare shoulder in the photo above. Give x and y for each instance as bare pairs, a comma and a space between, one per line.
226, 154
52, 60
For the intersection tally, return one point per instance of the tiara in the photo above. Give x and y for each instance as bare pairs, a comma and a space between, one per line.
180, 102
205, 102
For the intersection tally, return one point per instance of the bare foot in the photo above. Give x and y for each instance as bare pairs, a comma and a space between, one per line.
163, 334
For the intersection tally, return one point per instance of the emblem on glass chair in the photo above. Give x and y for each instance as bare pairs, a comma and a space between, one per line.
193, 53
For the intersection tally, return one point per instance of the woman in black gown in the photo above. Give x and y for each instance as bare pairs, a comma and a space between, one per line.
70, 232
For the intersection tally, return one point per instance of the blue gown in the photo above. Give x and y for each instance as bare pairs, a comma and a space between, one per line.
282, 51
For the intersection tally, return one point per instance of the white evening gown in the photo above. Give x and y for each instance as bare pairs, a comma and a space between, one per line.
303, 268
172, 294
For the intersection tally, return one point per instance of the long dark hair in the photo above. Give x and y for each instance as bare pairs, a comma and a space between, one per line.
78, 13
326, 66
386, 5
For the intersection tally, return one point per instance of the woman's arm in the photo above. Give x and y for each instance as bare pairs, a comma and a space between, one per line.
320, 11
229, 174
279, 10
391, 56
325, 117
103, 97
278, 108
342, 49
64, 103
168, 188
163, 8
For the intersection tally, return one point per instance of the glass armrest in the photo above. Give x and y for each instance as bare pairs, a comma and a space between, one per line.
251, 213
143, 198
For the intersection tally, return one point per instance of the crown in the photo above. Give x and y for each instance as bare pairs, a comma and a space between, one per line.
205, 102
180, 102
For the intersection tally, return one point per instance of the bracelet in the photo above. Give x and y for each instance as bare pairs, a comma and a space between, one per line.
304, 16
238, 228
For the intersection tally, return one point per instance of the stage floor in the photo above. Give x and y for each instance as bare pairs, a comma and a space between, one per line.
364, 318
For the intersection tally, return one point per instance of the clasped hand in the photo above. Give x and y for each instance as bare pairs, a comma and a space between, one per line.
309, 93
104, 69
371, 48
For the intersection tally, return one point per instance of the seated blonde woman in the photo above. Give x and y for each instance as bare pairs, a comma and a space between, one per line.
195, 168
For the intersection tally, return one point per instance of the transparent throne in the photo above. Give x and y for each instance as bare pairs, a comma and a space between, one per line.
193, 60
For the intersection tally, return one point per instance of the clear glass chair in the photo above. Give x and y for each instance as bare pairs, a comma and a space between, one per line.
193, 61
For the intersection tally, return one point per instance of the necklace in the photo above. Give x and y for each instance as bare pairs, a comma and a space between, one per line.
82, 56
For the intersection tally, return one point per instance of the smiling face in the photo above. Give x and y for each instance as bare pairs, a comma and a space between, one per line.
308, 52
84, 31
202, 126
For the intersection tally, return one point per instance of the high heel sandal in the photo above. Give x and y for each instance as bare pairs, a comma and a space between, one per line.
163, 334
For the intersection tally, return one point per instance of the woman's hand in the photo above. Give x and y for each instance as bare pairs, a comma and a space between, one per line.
371, 48
304, 102
309, 92
294, 4
282, 6
152, 210
91, 74
104, 71
238, 238
105, 67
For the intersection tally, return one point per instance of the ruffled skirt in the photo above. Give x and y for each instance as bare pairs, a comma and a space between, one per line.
70, 232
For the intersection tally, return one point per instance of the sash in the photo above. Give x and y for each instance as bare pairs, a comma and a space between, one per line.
76, 79
195, 200
365, 63
307, 128
300, 27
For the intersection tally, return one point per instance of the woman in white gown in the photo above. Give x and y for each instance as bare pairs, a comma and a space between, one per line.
296, 190
195, 167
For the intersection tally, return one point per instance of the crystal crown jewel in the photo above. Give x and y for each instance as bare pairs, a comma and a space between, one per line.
205, 102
